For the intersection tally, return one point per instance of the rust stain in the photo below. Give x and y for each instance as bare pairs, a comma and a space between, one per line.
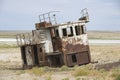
57, 44
73, 45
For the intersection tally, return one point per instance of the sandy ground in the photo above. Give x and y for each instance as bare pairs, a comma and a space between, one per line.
9, 62
11, 65
11, 69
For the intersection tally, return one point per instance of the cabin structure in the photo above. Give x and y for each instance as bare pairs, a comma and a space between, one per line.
52, 44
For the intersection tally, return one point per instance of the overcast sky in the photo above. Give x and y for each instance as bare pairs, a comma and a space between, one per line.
23, 14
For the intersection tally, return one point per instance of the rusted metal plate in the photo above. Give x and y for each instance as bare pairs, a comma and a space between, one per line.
69, 46
41, 55
57, 44
42, 24
29, 54
33, 55
78, 58
83, 58
23, 55
55, 60
75, 44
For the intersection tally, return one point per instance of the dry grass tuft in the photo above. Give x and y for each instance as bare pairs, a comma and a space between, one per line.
115, 73
37, 70
64, 68
65, 79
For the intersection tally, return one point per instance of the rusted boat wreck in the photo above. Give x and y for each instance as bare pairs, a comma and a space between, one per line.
54, 45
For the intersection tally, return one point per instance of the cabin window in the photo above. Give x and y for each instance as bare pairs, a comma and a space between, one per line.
80, 30
77, 30
74, 59
64, 31
70, 31
57, 33
67, 31
83, 29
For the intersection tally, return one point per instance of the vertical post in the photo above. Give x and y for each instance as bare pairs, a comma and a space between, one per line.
44, 17
39, 18
52, 32
49, 17
43, 54
65, 59
55, 19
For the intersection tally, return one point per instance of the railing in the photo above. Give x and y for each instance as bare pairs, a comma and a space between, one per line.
48, 17
35, 37
24, 39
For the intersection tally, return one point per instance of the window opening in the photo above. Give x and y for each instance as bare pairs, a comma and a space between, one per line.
70, 31
67, 32
57, 33
64, 31
77, 30
83, 29
74, 59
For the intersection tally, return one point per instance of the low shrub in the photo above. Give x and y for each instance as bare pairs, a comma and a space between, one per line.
64, 68
115, 74
65, 79
81, 72
118, 77
37, 71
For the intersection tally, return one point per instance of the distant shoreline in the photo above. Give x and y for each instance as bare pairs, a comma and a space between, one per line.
104, 35
91, 41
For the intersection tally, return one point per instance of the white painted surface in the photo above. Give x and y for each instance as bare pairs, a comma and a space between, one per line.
48, 44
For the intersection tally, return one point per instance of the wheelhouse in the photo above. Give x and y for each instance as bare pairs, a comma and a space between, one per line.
54, 45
